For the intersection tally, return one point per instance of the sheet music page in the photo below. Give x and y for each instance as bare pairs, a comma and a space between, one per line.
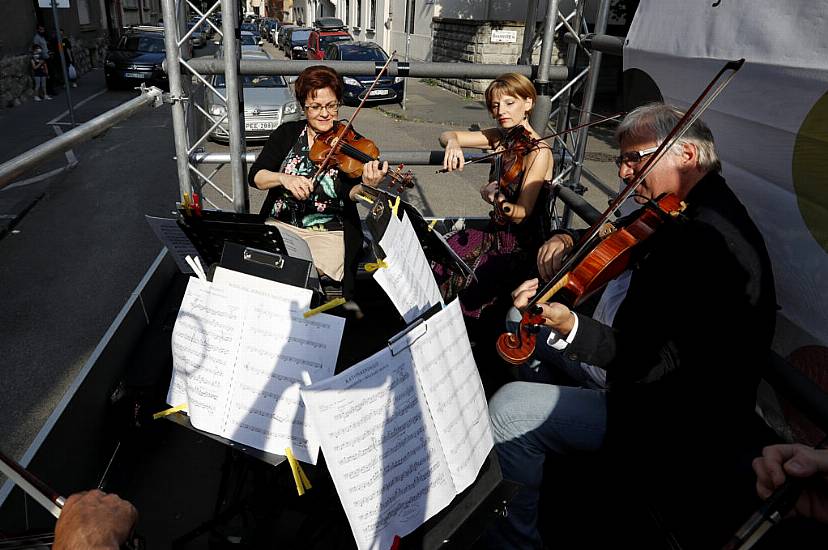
408, 279
451, 383
204, 344
279, 351
176, 241
381, 448
295, 245
259, 286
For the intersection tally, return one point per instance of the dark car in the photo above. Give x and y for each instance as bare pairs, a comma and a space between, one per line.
388, 88
297, 42
282, 35
137, 58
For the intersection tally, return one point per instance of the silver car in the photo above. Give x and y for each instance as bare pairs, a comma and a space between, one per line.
268, 101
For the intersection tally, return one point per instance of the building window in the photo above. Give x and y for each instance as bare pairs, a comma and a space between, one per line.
348, 12
83, 12
372, 15
359, 14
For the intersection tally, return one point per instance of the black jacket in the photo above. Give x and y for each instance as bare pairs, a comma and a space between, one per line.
278, 146
685, 353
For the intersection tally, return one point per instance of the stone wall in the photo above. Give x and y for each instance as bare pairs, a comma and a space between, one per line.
16, 83
469, 41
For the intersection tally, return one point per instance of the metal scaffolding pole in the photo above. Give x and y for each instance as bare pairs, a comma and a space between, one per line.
543, 106
235, 124
414, 69
586, 106
77, 135
571, 57
529, 33
176, 94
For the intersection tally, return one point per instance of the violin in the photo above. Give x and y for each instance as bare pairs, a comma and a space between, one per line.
591, 266
509, 166
610, 257
343, 148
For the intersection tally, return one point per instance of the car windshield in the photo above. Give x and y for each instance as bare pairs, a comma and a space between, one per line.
326, 40
363, 54
248, 40
299, 36
249, 27
143, 44
256, 81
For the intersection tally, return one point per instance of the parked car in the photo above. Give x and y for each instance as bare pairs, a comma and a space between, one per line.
389, 88
281, 39
250, 27
135, 59
250, 42
268, 102
198, 38
298, 43
328, 30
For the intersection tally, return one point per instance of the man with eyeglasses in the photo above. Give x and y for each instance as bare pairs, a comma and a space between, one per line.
661, 378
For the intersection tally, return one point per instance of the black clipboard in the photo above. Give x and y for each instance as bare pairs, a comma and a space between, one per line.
210, 229
435, 247
274, 266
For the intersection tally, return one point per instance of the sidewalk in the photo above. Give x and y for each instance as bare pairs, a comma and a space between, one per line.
427, 102
28, 125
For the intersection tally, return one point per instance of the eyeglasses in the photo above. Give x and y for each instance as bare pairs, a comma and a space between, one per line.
314, 109
631, 158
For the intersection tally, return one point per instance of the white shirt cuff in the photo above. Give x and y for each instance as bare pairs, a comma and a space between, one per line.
555, 341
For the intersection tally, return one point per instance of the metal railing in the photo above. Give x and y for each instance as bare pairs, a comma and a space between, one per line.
20, 164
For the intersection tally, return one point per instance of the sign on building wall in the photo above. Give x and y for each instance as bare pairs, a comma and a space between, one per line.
503, 36
48, 3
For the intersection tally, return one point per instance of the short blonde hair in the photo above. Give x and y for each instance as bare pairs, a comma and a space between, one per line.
512, 84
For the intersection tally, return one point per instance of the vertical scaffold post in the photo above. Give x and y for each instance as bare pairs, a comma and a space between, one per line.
177, 94
540, 114
571, 58
235, 104
586, 105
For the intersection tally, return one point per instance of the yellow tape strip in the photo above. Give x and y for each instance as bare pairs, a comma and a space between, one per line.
366, 198
299, 476
395, 205
168, 412
431, 225
324, 307
371, 266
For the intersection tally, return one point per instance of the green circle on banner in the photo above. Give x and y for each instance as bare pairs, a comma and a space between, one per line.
810, 171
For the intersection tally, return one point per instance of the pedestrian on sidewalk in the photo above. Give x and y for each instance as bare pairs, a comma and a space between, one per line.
69, 56
40, 73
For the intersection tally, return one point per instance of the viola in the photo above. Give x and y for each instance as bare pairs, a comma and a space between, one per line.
509, 166
603, 263
343, 148
599, 263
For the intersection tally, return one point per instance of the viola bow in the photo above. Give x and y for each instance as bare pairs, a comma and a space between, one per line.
699, 106
535, 141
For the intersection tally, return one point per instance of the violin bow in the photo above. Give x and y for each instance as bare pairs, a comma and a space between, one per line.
348, 124
699, 106
535, 141
32, 485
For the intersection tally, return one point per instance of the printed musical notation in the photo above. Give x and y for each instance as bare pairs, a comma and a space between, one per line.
241, 351
403, 433
408, 280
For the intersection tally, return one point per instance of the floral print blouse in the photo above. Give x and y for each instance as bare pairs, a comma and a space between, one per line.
323, 209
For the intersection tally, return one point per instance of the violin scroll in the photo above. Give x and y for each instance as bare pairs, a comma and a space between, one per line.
517, 347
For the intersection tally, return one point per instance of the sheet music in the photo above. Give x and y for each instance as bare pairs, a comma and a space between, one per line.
408, 279
295, 245
381, 448
446, 369
272, 351
204, 344
176, 241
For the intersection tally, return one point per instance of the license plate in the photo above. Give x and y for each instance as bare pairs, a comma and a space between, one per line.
379, 92
258, 126
137, 75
